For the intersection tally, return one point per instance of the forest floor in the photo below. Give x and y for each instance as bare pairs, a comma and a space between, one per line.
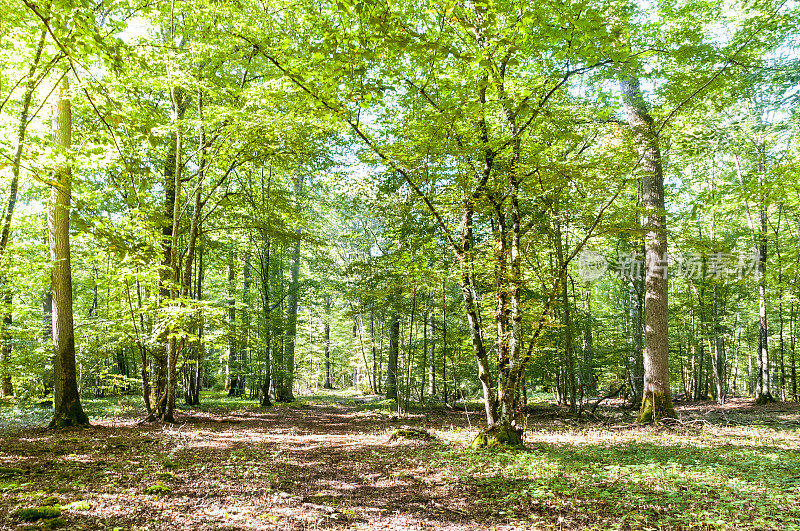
329, 462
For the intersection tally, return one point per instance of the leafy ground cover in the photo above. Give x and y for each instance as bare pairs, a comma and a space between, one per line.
331, 461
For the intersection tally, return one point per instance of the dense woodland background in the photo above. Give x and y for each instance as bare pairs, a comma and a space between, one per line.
272, 198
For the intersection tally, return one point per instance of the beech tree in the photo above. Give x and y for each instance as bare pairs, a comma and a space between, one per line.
67, 403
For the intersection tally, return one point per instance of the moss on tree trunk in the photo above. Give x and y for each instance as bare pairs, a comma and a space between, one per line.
656, 406
498, 436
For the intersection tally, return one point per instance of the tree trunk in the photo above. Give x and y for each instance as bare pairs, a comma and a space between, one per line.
718, 356
469, 294
444, 341
763, 394
394, 347
589, 379
6, 387
636, 360
327, 383
232, 384
278, 364
657, 399
567, 321
266, 302
431, 358
375, 376
68, 410
792, 342
244, 352
292, 303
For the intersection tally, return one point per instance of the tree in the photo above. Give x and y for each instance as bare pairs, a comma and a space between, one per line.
68, 409
656, 395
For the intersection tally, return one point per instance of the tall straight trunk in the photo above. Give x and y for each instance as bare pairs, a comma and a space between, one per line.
431, 358
232, 383
763, 393
781, 344
244, 351
718, 355
375, 376
394, 348
444, 341
278, 364
193, 396
327, 383
410, 350
738, 351
792, 343
68, 409
47, 335
266, 303
637, 358
656, 399
193, 369
759, 237
292, 300
588, 377
6, 387
566, 322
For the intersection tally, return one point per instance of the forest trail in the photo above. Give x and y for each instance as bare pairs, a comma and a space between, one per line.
290, 467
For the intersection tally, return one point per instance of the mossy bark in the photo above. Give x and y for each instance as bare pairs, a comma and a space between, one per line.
656, 406
69, 415
498, 436
765, 398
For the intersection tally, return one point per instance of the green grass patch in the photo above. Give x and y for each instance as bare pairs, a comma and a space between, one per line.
641, 480
158, 489
31, 514
79, 505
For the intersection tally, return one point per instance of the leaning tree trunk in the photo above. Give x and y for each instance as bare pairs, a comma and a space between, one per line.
656, 399
6, 387
68, 410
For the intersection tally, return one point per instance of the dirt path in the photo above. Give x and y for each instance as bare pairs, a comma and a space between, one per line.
291, 468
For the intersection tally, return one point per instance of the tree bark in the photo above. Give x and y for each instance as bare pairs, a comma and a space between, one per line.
266, 302
394, 348
327, 383
232, 384
763, 393
68, 409
656, 399
292, 303
431, 358
244, 351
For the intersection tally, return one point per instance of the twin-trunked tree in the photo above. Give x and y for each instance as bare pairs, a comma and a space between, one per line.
463, 102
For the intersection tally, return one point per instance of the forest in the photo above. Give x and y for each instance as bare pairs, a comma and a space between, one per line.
399, 264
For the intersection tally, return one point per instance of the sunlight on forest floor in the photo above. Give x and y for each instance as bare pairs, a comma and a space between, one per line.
328, 462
